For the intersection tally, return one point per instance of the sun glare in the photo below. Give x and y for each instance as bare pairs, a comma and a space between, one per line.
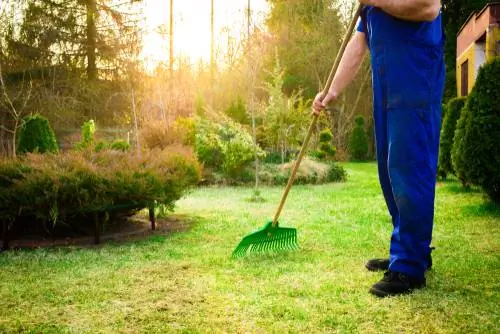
192, 27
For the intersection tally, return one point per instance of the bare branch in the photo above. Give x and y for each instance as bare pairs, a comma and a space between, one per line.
6, 95
6, 129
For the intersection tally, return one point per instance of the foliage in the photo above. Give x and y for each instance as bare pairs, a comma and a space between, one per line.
238, 112
275, 158
64, 31
476, 153
358, 142
297, 26
87, 135
36, 135
224, 147
309, 172
187, 127
59, 193
325, 136
161, 134
452, 114
120, 145
199, 106
284, 118
325, 150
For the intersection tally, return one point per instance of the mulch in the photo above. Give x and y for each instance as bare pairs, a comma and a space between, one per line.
133, 229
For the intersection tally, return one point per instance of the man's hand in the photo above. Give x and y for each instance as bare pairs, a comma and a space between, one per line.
321, 101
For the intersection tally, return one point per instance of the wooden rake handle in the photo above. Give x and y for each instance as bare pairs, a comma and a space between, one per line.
303, 149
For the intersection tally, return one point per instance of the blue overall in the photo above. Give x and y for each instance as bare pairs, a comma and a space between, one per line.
408, 81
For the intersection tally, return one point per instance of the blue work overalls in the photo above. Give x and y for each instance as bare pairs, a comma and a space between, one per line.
408, 81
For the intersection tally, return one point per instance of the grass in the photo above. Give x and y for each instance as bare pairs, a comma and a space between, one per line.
186, 282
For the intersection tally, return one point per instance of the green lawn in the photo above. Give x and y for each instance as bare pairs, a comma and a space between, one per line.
186, 282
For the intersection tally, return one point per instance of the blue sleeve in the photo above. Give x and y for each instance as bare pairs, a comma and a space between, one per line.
361, 26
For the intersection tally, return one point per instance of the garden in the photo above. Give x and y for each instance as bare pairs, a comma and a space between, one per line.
127, 183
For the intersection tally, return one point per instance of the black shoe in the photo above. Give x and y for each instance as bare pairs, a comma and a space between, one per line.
377, 264
383, 264
395, 283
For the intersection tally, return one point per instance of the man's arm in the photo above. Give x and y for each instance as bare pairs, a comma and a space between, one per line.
410, 10
348, 68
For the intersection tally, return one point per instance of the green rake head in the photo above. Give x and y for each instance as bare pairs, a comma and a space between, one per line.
268, 239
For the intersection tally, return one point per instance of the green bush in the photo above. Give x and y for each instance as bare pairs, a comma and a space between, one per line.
318, 154
120, 145
187, 128
325, 148
358, 141
58, 194
238, 112
325, 136
452, 114
36, 135
476, 149
224, 147
88, 133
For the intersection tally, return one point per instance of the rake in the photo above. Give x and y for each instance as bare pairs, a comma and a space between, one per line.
272, 237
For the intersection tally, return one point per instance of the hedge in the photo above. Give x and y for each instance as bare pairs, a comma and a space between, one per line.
58, 194
452, 115
36, 135
476, 148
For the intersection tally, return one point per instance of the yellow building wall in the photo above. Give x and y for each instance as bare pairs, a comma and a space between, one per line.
492, 37
469, 55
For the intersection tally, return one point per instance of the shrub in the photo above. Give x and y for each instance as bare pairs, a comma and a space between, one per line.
187, 127
88, 133
160, 134
36, 135
120, 145
325, 136
325, 148
224, 147
476, 150
358, 141
451, 117
60, 193
238, 112
310, 172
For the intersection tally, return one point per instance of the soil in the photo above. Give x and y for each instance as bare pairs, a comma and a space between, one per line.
133, 229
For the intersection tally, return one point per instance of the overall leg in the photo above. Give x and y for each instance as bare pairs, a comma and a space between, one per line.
413, 136
381, 135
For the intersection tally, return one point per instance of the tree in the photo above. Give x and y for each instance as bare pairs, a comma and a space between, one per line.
36, 135
476, 153
71, 51
15, 107
306, 34
453, 110
358, 142
284, 117
72, 33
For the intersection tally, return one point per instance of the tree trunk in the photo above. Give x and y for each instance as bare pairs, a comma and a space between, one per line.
91, 40
171, 31
14, 135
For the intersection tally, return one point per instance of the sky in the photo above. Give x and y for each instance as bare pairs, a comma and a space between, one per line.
192, 26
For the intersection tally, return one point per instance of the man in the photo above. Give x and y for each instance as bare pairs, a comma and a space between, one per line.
405, 40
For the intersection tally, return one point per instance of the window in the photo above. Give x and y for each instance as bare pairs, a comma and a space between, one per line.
465, 78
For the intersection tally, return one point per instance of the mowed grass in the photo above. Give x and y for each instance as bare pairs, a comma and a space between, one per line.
187, 282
